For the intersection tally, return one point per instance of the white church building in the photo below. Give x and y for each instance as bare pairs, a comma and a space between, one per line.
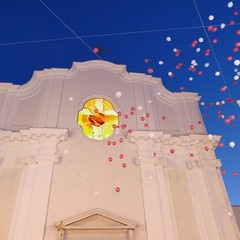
97, 153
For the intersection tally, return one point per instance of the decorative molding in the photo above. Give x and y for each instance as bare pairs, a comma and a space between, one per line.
153, 149
42, 142
77, 67
96, 220
8, 87
216, 163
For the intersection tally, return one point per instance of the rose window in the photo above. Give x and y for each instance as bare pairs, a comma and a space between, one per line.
98, 118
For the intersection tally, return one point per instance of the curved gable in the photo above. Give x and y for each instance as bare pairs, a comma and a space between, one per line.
53, 97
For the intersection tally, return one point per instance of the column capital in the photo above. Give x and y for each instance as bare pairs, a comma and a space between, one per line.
145, 141
147, 137
158, 148
216, 163
43, 144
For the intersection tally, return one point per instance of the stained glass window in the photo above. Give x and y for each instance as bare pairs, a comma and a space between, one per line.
97, 118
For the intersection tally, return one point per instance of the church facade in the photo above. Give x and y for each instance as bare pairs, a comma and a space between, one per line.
95, 152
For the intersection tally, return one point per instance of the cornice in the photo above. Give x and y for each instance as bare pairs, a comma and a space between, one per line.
45, 133
38, 77
8, 87
183, 140
33, 133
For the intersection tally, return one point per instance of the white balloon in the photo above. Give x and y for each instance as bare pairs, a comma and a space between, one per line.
230, 4
236, 62
118, 94
168, 39
211, 17
222, 25
232, 144
210, 136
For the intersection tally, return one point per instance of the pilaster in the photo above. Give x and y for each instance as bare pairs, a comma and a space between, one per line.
158, 210
29, 216
193, 157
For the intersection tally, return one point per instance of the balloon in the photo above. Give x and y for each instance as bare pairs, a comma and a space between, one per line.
232, 144
118, 94
124, 165
96, 50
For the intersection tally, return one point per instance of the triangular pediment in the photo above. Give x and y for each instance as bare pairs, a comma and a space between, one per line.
96, 219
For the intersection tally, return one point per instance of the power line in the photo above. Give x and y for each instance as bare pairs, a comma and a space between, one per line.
111, 34
69, 28
216, 59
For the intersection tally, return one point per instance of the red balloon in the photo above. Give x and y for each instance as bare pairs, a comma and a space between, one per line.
145, 125
121, 156
124, 165
120, 140
227, 121
214, 29
206, 148
96, 50
117, 189
223, 88
191, 155
210, 28
232, 117
221, 144
214, 41
223, 171
238, 32
150, 70
130, 130
235, 174
172, 151
110, 159
147, 114
235, 49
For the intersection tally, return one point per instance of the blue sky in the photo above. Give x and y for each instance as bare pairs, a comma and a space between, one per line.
191, 44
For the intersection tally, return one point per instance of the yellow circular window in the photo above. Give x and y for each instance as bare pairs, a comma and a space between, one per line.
97, 118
